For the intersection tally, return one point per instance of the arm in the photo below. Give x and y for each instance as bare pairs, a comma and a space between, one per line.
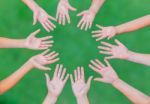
89, 15
111, 31
110, 76
121, 52
40, 15
80, 87
31, 42
37, 61
55, 85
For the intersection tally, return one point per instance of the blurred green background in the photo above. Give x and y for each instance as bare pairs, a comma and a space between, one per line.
76, 48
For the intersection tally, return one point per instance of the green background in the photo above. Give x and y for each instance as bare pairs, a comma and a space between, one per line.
76, 48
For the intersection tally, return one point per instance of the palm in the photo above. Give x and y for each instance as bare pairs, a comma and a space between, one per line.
33, 42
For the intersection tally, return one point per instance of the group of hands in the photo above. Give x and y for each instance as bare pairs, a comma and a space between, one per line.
62, 16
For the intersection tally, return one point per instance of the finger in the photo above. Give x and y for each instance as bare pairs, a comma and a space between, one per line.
87, 25
82, 73
90, 25
107, 44
118, 42
60, 18
100, 63
57, 15
107, 63
94, 68
48, 26
104, 48
63, 22
46, 38
34, 19
53, 56
99, 26
56, 70
66, 78
72, 8
60, 71
50, 54
106, 52
46, 45
89, 81
47, 78
81, 13
75, 75
82, 26
47, 42
71, 78
100, 38
43, 67
52, 18
96, 65
63, 74
51, 24
96, 35
97, 32
98, 79
35, 32
43, 48
109, 57
45, 27
68, 18
79, 74
81, 21
53, 61
45, 52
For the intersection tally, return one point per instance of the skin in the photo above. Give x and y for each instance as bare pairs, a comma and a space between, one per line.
111, 31
89, 15
120, 51
31, 42
56, 84
110, 76
39, 61
79, 86
63, 9
40, 15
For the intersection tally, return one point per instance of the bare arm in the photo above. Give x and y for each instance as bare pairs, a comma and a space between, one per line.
110, 76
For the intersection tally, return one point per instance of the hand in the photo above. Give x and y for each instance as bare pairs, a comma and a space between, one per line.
38, 43
119, 51
87, 19
62, 12
107, 72
104, 32
56, 85
42, 59
41, 16
80, 88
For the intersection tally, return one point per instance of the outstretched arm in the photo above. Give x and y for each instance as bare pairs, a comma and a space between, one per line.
110, 76
111, 31
37, 61
121, 52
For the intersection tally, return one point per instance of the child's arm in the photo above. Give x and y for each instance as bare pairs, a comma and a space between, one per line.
110, 76
38, 61
89, 15
40, 15
56, 84
80, 87
111, 31
31, 42
121, 52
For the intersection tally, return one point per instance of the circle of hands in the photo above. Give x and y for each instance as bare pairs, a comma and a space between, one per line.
79, 86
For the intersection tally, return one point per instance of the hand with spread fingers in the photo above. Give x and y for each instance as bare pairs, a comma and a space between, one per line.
56, 84
79, 86
119, 51
104, 32
63, 12
39, 61
107, 72
35, 43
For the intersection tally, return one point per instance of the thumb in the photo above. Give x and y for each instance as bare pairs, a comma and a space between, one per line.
35, 32
71, 8
118, 42
81, 13
99, 79
34, 19
47, 78
89, 81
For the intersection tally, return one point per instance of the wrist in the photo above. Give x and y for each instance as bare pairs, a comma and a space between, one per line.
92, 11
116, 82
31, 4
82, 99
52, 98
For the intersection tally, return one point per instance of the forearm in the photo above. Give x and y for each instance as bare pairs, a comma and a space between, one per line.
96, 5
131, 93
139, 58
11, 43
49, 99
13, 79
31, 4
133, 25
83, 100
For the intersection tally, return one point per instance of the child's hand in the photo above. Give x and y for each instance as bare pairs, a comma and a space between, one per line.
87, 19
38, 43
107, 72
57, 83
41, 16
79, 86
118, 51
39, 61
63, 12
104, 32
